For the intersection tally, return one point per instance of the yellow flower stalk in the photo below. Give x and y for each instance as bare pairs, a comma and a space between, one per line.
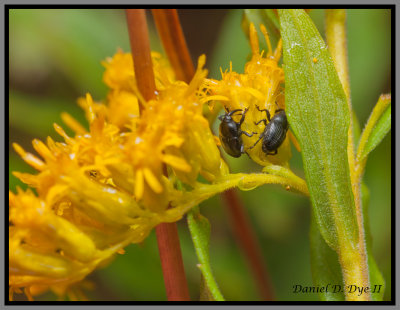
259, 86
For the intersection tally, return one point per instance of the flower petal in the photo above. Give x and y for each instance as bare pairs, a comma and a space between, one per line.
139, 184
42, 149
29, 158
73, 123
152, 181
176, 162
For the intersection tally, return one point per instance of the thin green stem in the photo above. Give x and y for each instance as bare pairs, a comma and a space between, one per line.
245, 181
200, 231
353, 260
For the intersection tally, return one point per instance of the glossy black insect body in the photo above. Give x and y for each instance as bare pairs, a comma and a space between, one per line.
274, 132
230, 133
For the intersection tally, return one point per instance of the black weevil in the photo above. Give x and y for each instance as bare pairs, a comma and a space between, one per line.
274, 132
230, 133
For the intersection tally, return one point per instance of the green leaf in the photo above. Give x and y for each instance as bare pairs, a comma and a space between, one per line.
325, 267
378, 125
200, 231
318, 115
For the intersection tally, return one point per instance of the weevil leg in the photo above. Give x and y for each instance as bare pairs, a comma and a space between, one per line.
243, 115
266, 111
233, 112
256, 142
248, 134
263, 120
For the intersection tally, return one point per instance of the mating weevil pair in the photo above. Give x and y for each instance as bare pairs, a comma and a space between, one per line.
273, 135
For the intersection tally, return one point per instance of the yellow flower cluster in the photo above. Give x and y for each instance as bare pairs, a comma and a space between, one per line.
137, 165
259, 86
108, 186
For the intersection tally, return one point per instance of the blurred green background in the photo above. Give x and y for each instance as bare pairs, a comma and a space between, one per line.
55, 58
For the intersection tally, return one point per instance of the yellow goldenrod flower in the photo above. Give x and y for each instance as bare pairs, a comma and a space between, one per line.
259, 86
119, 74
111, 184
108, 186
50, 248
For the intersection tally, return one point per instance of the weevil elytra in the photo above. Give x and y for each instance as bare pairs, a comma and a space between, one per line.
230, 133
274, 132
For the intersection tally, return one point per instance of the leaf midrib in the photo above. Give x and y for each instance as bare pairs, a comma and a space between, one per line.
323, 147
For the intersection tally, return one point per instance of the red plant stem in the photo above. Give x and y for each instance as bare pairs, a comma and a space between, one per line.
174, 43
167, 233
171, 34
140, 46
171, 262
248, 242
